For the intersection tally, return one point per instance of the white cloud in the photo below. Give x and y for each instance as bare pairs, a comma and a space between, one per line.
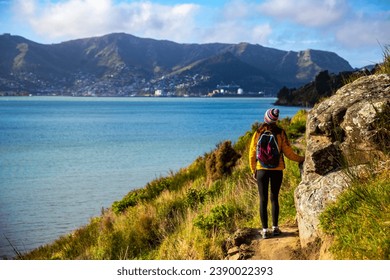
80, 18
237, 9
70, 19
353, 29
158, 21
365, 31
312, 13
235, 22
231, 32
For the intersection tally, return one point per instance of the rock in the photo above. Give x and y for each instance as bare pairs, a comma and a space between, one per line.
238, 245
347, 130
325, 156
233, 251
311, 199
245, 236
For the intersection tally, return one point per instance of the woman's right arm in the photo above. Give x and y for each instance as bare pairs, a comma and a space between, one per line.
288, 151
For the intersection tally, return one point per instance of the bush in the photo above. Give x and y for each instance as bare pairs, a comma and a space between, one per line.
195, 197
221, 162
296, 126
220, 217
131, 199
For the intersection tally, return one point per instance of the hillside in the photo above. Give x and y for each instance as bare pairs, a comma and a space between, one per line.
121, 65
339, 208
187, 215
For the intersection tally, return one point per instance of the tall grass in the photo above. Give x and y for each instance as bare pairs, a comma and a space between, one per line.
384, 68
360, 220
186, 215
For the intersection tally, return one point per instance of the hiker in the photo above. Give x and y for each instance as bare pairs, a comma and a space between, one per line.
266, 173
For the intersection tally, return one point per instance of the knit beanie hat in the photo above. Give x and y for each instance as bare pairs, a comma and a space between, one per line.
271, 115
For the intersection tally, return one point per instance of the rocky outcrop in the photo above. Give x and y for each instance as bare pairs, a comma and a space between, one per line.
343, 133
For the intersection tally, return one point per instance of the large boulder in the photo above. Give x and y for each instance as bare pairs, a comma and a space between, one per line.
343, 133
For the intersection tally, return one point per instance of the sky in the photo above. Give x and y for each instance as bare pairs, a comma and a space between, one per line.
357, 30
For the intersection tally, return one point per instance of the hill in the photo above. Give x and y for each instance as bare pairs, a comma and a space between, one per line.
121, 65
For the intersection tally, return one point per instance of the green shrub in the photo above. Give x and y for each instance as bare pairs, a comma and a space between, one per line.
216, 188
131, 199
220, 217
195, 197
296, 126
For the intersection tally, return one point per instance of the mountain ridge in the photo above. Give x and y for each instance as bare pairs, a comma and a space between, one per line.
123, 64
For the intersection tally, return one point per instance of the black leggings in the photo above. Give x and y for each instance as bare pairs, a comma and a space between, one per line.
263, 179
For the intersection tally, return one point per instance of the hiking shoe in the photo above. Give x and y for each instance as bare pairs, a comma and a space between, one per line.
276, 231
265, 233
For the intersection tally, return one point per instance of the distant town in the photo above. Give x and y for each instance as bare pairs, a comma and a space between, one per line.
117, 86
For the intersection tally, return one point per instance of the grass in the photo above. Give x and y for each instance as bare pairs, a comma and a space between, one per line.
384, 68
360, 220
186, 215
189, 214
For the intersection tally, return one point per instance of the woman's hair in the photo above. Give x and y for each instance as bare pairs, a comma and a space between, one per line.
273, 127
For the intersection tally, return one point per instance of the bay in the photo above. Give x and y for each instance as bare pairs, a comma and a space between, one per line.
63, 159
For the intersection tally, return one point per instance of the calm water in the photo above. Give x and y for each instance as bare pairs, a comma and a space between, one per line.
63, 159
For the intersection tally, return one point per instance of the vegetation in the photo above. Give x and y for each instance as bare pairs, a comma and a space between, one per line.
360, 220
384, 68
186, 215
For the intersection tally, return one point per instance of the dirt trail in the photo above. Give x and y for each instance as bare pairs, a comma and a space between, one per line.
283, 247
247, 244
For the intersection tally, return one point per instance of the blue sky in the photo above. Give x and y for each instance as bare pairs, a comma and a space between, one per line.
357, 30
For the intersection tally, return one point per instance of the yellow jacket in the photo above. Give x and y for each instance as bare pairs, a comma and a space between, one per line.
283, 143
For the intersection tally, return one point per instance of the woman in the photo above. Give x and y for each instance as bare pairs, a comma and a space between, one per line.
266, 175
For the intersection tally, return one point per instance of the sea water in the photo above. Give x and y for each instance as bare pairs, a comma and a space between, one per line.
63, 159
